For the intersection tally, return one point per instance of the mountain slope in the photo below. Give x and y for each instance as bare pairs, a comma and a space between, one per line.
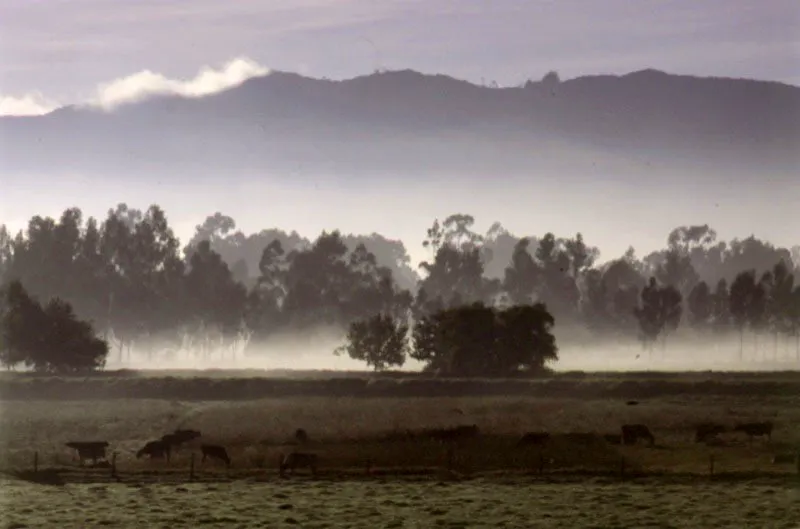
414, 125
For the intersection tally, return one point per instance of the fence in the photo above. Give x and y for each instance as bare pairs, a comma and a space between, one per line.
452, 458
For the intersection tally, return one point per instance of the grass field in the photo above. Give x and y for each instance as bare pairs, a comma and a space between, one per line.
245, 385
492, 482
473, 504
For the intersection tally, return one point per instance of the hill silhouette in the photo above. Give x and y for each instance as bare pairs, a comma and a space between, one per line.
413, 124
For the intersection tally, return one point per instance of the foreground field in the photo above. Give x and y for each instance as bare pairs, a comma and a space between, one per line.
473, 504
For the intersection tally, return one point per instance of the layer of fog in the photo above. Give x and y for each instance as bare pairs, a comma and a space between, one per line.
610, 214
627, 355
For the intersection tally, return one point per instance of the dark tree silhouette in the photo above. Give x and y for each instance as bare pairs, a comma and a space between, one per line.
701, 306
380, 341
721, 314
660, 312
476, 340
49, 338
746, 303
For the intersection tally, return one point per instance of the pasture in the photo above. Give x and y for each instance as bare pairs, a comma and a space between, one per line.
480, 503
371, 471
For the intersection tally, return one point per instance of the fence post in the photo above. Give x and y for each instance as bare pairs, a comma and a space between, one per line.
711, 464
114, 465
36, 461
622, 467
541, 464
450, 456
191, 468
797, 461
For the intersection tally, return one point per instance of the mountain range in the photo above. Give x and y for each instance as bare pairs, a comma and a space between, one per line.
644, 125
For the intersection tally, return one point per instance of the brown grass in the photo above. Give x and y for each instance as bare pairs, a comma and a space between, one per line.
252, 384
474, 504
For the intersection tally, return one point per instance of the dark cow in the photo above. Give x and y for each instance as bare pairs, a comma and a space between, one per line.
631, 433
215, 452
755, 429
155, 449
452, 434
299, 460
707, 431
301, 436
612, 438
783, 459
179, 437
534, 439
93, 450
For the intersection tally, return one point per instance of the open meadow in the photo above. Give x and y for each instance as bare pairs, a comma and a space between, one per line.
373, 472
478, 503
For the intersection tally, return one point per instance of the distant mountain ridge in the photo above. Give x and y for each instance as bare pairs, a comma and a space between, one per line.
415, 124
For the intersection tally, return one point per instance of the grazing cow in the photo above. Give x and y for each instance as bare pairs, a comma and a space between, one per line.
155, 449
299, 460
301, 436
612, 438
179, 437
707, 431
452, 434
753, 429
534, 439
631, 433
215, 452
783, 459
632, 403
93, 450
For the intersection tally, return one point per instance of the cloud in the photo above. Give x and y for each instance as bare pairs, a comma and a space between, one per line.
34, 104
141, 85
146, 83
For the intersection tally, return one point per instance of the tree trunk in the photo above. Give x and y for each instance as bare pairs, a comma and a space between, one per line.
741, 344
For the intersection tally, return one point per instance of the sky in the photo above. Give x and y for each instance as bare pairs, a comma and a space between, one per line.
61, 51
109, 51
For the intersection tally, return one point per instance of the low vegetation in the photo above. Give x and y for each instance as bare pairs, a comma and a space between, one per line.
474, 504
248, 385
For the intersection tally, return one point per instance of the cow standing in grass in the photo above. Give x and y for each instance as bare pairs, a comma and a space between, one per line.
631, 433
93, 450
298, 460
755, 429
215, 452
707, 431
155, 449
534, 439
179, 437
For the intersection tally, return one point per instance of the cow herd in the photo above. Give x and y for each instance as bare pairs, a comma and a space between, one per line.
630, 434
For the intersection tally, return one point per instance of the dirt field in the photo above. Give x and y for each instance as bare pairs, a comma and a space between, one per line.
473, 504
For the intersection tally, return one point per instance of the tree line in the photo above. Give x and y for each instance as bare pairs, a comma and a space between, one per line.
129, 277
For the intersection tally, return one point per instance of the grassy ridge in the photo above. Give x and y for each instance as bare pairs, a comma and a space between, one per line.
254, 384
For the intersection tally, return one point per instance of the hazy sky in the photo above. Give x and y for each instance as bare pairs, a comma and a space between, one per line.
64, 49
60, 52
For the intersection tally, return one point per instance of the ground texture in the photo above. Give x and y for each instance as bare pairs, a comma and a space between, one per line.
425, 504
